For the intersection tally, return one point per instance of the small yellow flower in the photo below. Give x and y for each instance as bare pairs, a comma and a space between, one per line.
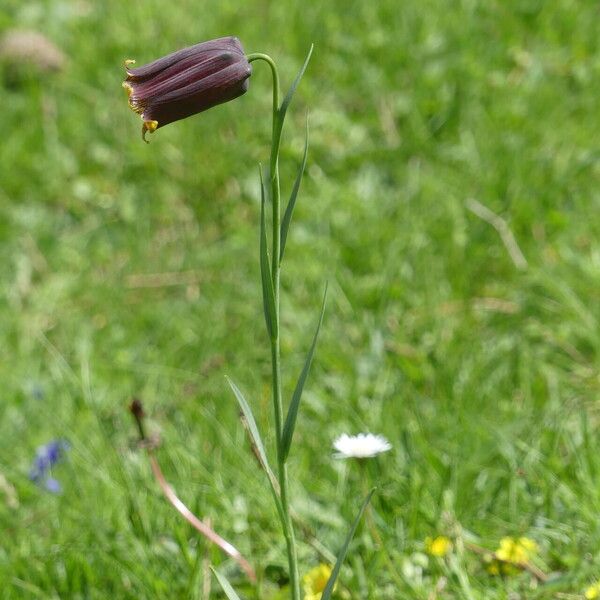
516, 551
593, 591
493, 568
439, 546
314, 582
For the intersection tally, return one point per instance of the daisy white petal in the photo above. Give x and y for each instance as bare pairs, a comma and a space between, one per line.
363, 445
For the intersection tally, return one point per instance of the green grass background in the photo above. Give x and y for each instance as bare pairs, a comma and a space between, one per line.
484, 377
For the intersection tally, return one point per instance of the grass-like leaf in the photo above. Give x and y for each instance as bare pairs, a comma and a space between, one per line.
287, 217
256, 440
281, 112
252, 427
229, 591
290, 94
290, 421
342, 555
265, 269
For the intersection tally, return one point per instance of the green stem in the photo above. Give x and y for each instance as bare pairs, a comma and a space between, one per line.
286, 521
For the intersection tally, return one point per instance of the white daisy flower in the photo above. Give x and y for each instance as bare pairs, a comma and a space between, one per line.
363, 445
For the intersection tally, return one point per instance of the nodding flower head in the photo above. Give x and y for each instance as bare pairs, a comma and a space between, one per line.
187, 82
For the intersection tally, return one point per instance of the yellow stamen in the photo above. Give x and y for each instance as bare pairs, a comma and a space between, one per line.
148, 126
133, 105
129, 62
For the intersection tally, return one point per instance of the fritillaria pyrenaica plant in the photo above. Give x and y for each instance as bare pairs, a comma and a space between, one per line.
180, 85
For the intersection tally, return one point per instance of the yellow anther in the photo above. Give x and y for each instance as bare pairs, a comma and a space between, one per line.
148, 126
133, 104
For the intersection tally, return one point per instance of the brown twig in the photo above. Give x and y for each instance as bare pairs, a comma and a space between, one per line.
137, 411
500, 225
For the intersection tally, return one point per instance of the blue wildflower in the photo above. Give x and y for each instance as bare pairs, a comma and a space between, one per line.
52, 485
46, 457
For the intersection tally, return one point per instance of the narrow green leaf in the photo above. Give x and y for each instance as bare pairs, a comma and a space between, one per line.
290, 421
256, 441
265, 269
266, 189
252, 427
342, 555
281, 112
290, 94
287, 217
229, 591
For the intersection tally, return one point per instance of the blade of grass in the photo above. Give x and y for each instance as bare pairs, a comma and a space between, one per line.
229, 591
342, 555
290, 421
287, 217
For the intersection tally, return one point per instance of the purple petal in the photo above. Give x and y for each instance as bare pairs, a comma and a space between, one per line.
52, 485
47, 456
226, 44
182, 74
198, 96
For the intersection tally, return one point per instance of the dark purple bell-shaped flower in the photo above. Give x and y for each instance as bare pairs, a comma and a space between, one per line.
187, 82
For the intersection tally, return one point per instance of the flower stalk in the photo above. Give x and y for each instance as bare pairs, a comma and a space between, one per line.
175, 87
275, 193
